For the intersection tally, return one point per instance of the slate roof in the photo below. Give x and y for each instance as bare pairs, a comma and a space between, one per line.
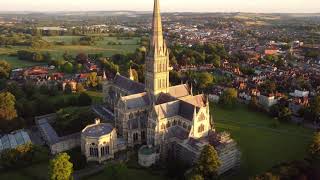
168, 109
186, 110
179, 91
165, 98
183, 107
198, 100
137, 100
132, 87
98, 130
177, 132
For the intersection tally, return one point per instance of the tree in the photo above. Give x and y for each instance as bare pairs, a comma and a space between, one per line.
84, 99
214, 59
7, 106
15, 90
204, 80
229, 98
68, 67
79, 68
196, 177
60, 168
315, 108
269, 87
22, 156
315, 146
82, 58
254, 105
208, 163
175, 77
80, 88
92, 80
5, 69
285, 114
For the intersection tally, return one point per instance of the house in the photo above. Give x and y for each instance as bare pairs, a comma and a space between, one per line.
267, 100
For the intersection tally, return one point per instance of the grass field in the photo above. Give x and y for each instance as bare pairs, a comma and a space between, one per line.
97, 96
261, 145
38, 171
133, 174
126, 46
16, 63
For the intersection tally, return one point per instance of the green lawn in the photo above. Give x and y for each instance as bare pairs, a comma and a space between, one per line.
97, 96
261, 145
38, 171
133, 174
127, 46
16, 63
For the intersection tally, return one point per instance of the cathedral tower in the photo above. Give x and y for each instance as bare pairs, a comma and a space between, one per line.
157, 60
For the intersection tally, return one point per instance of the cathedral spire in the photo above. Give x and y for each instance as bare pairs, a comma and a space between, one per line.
157, 45
157, 59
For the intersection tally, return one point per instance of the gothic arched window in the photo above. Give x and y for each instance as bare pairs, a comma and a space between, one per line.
201, 128
143, 135
135, 137
168, 124
184, 125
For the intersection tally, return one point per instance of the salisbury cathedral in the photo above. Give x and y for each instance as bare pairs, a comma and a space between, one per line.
168, 119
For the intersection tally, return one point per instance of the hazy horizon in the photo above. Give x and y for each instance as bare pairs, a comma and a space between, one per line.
249, 6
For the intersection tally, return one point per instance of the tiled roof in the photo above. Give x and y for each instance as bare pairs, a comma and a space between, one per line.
132, 87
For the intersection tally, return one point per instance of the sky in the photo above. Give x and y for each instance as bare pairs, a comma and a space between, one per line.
265, 6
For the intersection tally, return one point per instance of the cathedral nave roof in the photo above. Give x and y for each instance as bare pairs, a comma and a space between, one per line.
132, 87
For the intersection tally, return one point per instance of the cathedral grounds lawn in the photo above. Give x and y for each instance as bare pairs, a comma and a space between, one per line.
262, 145
37, 171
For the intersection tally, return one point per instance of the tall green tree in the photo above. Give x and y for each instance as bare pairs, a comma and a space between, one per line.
208, 163
7, 106
68, 67
285, 114
92, 80
229, 98
60, 168
204, 80
5, 69
315, 146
